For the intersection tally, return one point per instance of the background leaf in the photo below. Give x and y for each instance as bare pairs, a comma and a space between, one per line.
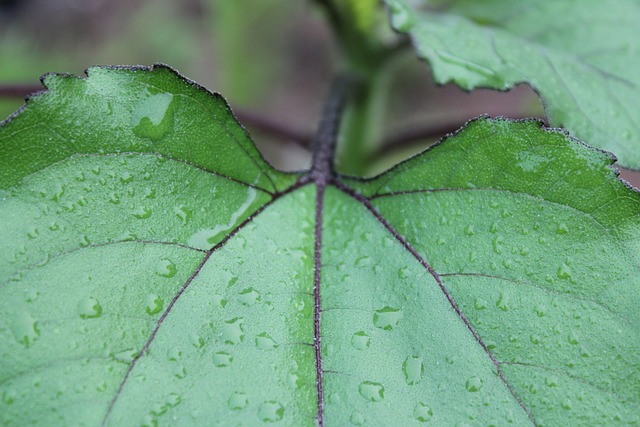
157, 273
580, 56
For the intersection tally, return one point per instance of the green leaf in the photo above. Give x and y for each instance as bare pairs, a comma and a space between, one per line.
155, 270
580, 56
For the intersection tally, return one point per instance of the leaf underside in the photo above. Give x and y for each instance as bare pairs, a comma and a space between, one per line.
156, 270
581, 57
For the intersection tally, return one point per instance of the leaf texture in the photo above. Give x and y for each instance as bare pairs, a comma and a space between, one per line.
172, 277
580, 56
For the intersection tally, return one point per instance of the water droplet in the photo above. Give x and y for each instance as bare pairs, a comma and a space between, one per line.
222, 359
469, 230
371, 391
357, 419
238, 400
551, 381
142, 212
31, 295
497, 244
535, 339
233, 331
25, 329
197, 341
413, 369
503, 302
360, 340
180, 372
540, 310
248, 296
573, 338
153, 304
564, 272
404, 273
265, 342
387, 318
474, 384
206, 237
219, 299
363, 261
422, 412
114, 198
126, 177
271, 411
174, 354
166, 268
294, 381
562, 229
89, 308
125, 356
479, 304
566, 404
153, 116
9, 396
183, 213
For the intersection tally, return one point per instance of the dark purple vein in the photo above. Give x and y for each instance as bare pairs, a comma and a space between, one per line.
184, 288
317, 264
322, 172
364, 201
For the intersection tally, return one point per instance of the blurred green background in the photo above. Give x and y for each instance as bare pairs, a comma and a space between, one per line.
272, 59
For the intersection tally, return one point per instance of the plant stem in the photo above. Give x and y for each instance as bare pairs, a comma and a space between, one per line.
324, 143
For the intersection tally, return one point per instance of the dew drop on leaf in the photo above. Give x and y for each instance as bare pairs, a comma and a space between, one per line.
573, 338
413, 369
180, 372
166, 268
564, 272
89, 308
233, 331
153, 304
222, 359
142, 212
371, 391
248, 296
422, 412
360, 340
357, 419
125, 356
474, 384
174, 354
265, 342
238, 400
387, 318
183, 213
153, 116
25, 329
503, 302
271, 411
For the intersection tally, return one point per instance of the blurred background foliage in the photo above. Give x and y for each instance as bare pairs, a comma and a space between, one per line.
273, 60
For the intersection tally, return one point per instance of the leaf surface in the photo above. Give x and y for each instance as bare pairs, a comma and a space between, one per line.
580, 56
173, 277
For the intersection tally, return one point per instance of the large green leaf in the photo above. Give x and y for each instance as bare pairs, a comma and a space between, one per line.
582, 57
155, 270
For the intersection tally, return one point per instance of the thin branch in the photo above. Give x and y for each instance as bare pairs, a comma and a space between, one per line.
272, 128
19, 91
